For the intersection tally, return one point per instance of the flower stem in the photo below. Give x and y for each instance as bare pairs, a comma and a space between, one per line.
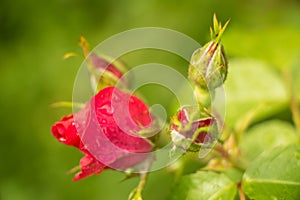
295, 112
136, 194
230, 157
142, 183
294, 105
241, 193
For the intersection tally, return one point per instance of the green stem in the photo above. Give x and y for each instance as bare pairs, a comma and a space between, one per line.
241, 193
294, 105
142, 183
227, 131
295, 112
227, 156
136, 194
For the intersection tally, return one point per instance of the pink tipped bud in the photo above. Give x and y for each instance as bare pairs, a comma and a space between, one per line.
191, 129
208, 65
104, 70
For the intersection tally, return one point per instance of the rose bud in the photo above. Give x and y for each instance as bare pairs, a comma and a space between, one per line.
208, 65
104, 70
190, 129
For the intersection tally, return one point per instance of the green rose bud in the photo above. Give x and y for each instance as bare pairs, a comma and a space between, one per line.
208, 66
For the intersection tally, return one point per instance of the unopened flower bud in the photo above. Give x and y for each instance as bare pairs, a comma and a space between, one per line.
104, 70
107, 71
190, 129
208, 65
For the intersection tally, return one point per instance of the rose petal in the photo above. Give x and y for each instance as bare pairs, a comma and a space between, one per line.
89, 166
119, 120
65, 131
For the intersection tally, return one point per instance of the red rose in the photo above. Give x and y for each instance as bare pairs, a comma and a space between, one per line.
105, 131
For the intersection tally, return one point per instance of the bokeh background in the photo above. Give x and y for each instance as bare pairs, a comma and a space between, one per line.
34, 35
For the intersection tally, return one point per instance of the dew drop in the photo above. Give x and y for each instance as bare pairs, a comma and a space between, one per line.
62, 139
98, 142
131, 100
104, 130
106, 109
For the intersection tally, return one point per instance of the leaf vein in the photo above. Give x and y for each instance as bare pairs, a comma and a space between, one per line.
283, 182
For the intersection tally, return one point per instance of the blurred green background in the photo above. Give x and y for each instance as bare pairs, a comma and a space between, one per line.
34, 35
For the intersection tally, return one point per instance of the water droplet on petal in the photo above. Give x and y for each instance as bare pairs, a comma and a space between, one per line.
106, 109
131, 100
104, 130
62, 139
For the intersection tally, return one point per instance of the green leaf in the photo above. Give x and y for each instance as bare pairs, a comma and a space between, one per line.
234, 174
275, 174
251, 83
204, 185
275, 44
267, 135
